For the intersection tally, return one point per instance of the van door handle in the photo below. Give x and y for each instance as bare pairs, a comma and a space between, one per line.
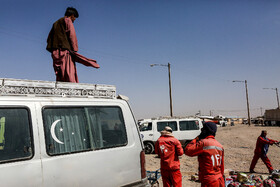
150, 134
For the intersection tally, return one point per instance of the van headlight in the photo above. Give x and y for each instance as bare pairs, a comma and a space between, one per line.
142, 136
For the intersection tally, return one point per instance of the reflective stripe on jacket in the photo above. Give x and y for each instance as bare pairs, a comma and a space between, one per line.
210, 157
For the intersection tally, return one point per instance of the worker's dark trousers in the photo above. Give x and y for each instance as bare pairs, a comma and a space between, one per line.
265, 160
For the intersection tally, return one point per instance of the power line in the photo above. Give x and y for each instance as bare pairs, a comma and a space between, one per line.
28, 37
22, 35
240, 110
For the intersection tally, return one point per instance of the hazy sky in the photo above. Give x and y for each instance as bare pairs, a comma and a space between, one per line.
208, 44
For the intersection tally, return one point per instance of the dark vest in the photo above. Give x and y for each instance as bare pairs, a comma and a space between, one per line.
58, 38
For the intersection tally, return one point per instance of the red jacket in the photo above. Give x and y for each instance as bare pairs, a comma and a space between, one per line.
262, 145
168, 149
210, 157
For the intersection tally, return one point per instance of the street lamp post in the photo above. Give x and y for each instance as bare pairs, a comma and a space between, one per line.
169, 77
247, 98
276, 96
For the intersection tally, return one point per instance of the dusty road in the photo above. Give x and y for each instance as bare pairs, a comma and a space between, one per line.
239, 143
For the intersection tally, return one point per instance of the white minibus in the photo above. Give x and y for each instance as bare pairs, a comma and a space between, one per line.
67, 134
184, 129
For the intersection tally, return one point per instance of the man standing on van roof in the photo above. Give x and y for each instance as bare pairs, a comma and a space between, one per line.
168, 148
210, 156
261, 150
63, 44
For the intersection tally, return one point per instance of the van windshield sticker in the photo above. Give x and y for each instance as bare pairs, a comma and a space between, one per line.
2, 133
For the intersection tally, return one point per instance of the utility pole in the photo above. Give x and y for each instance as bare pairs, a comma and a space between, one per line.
170, 92
247, 98
249, 118
277, 98
278, 106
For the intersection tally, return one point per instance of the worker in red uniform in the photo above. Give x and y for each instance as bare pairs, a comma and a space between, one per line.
210, 156
261, 150
168, 148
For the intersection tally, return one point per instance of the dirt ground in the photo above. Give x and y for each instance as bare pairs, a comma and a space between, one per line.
239, 143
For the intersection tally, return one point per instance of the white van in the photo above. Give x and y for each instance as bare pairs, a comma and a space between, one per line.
184, 129
67, 134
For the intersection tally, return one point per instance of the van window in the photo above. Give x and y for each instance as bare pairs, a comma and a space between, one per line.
188, 125
15, 134
162, 124
75, 129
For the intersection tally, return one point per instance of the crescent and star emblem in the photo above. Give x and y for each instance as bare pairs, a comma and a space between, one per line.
53, 132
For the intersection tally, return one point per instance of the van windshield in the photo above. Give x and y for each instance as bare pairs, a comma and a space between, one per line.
15, 134
146, 127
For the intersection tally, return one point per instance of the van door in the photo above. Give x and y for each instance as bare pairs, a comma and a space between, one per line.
90, 146
147, 131
20, 163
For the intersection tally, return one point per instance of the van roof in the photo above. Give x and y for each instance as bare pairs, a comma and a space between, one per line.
167, 118
20, 87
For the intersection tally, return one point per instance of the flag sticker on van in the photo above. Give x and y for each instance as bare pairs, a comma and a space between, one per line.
53, 131
2, 133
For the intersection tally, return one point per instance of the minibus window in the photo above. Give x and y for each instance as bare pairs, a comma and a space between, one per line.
15, 135
162, 124
66, 130
188, 125
69, 129
107, 127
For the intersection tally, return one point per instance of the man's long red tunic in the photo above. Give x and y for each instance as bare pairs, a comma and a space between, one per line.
64, 59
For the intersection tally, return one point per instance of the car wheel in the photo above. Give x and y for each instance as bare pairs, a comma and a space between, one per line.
149, 147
